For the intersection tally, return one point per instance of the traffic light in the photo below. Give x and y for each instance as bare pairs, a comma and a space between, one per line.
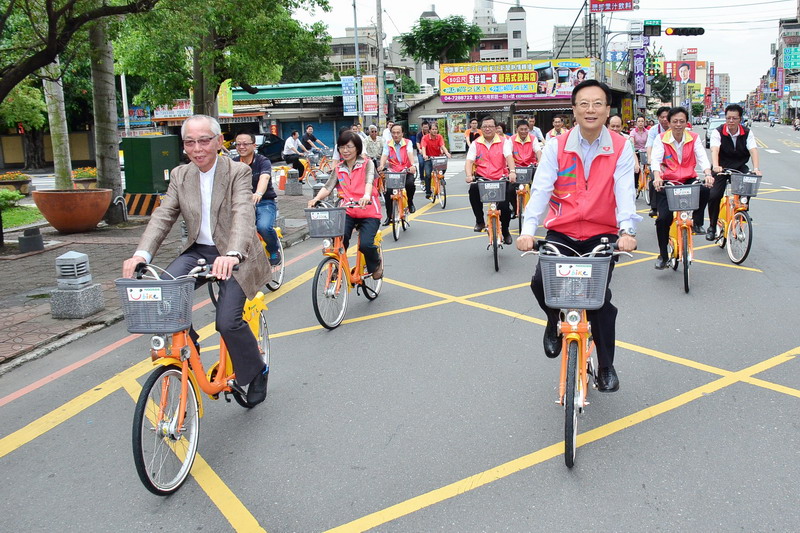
652, 30
685, 31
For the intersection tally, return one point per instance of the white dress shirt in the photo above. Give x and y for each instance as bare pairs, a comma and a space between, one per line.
547, 172
657, 155
716, 139
652, 133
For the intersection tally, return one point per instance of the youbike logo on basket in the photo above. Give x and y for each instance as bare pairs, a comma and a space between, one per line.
682, 191
750, 179
146, 294
572, 270
489, 186
323, 215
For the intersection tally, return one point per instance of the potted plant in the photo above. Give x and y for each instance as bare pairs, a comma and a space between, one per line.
84, 178
15, 180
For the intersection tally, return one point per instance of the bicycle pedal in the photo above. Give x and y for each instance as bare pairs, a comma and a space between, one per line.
227, 396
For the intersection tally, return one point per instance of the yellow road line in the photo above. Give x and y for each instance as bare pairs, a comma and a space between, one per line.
777, 200
761, 143
443, 223
494, 291
506, 469
445, 211
217, 491
727, 265
432, 243
673, 358
773, 386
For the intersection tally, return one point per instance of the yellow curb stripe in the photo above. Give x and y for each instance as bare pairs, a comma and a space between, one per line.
506, 469
217, 491
45, 423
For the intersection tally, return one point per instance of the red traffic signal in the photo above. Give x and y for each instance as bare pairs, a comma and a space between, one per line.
685, 31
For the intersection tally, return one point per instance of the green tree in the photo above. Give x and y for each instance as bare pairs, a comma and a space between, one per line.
662, 87
24, 106
446, 40
249, 41
408, 85
698, 109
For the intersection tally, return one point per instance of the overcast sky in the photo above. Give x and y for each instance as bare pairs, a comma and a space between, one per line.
737, 38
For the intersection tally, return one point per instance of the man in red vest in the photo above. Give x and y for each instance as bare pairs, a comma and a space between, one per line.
398, 153
583, 178
525, 149
490, 157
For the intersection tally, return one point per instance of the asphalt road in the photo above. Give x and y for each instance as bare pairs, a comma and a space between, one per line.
433, 407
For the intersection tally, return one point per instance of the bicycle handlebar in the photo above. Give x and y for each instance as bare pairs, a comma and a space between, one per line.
199, 271
551, 248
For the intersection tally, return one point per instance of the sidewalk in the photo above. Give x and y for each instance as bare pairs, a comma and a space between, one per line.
28, 331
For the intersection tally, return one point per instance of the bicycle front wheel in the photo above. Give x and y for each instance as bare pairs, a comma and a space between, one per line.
396, 222
329, 293
570, 411
687, 260
263, 348
495, 234
442, 193
278, 271
740, 237
163, 452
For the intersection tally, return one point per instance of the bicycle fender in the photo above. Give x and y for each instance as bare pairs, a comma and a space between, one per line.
170, 361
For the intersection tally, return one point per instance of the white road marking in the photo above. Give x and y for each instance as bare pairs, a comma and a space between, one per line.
771, 151
796, 151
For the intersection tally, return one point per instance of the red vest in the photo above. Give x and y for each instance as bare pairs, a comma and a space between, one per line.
671, 170
352, 185
523, 151
398, 165
582, 208
490, 163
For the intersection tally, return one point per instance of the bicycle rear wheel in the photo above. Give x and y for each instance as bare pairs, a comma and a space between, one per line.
570, 411
442, 193
329, 293
278, 271
646, 190
687, 260
396, 222
740, 237
495, 234
162, 452
263, 348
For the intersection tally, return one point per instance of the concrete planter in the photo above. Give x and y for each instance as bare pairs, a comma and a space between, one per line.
73, 210
84, 183
21, 186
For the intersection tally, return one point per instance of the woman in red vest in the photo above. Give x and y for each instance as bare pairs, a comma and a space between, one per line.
676, 153
353, 177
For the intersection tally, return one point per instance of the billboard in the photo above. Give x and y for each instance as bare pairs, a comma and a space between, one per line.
369, 90
349, 96
607, 6
512, 80
681, 71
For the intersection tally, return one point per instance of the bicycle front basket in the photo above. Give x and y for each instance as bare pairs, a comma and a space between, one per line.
683, 197
439, 162
745, 184
156, 306
395, 180
524, 175
326, 223
492, 191
574, 282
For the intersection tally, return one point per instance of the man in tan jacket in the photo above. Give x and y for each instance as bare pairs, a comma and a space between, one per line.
214, 195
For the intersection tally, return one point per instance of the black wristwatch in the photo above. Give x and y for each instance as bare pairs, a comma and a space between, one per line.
237, 255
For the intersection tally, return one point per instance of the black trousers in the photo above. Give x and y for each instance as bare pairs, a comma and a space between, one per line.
665, 216
241, 343
367, 228
603, 320
411, 188
504, 207
716, 194
294, 160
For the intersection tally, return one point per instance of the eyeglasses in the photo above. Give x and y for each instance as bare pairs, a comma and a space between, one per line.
244, 145
202, 141
583, 104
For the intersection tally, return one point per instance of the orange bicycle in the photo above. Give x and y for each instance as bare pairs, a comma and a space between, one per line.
493, 192
734, 225
314, 162
681, 200
643, 180
575, 284
438, 185
166, 421
396, 181
523, 189
334, 278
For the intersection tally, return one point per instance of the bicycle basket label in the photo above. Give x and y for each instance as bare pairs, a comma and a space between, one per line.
324, 215
682, 191
750, 179
491, 186
144, 294
572, 270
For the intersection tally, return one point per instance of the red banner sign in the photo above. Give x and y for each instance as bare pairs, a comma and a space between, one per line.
607, 6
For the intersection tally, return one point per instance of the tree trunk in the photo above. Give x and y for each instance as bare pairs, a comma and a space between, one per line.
57, 116
205, 88
104, 102
33, 148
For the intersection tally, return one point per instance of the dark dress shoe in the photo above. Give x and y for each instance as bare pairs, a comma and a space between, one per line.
711, 235
607, 380
479, 227
507, 239
387, 221
257, 390
552, 341
661, 263
411, 208
653, 213
698, 230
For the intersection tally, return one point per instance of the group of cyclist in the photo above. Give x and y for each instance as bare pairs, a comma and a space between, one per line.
582, 181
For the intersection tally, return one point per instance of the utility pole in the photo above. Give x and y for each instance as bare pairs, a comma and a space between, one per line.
359, 98
381, 74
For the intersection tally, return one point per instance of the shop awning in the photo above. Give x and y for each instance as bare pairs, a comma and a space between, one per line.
289, 91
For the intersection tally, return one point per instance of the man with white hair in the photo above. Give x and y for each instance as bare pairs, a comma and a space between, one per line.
373, 146
215, 196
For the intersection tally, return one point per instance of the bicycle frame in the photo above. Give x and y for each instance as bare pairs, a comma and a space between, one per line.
492, 214
580, 333
436, 175
336, 250
682, 219
523, 195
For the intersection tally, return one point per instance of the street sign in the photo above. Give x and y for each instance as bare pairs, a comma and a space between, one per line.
652, 23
